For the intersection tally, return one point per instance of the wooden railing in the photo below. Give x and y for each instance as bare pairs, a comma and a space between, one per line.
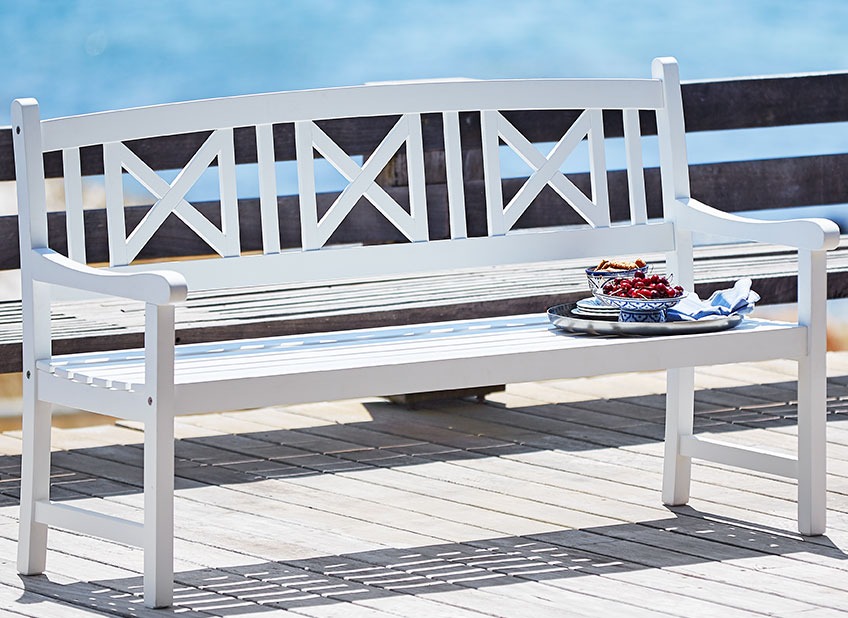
731, 186
709, 106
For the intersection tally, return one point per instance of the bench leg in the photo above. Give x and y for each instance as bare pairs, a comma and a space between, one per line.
35, 482
812, 443
812, 394
159, 510
679, 419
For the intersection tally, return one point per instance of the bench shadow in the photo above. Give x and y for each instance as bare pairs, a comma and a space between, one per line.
397, 437
686, 538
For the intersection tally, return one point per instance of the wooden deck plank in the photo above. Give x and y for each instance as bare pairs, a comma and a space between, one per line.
30, 603
785, 490
63, 583
721, 475
790, 498
735, 595
544, 498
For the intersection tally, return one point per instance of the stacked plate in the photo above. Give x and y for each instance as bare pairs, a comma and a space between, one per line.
594, 308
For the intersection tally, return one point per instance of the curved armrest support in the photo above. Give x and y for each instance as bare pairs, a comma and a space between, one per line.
162, 287
809, 234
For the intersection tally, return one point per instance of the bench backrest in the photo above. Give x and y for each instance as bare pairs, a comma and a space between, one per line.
406, 104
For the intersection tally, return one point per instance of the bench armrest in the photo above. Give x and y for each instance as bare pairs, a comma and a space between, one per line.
162, 287
808, 234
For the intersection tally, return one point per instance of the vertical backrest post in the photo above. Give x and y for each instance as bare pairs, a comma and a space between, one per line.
635, 167
492, 173
269, 215
113, 182
453, 175
307, 201
74, 214
29, 174
417, 183
674, 165
598, 168
32, 220
229, 241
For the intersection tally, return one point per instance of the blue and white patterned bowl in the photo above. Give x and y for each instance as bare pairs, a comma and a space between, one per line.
639, 309
597, 278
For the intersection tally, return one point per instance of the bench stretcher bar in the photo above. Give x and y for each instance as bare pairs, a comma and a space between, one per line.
739, 456
89, 522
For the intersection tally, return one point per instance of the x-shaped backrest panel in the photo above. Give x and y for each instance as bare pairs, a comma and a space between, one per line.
594, 211
171, 198
316, 231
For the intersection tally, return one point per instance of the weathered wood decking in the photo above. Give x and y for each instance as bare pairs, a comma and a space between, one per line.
544, 501
113, 323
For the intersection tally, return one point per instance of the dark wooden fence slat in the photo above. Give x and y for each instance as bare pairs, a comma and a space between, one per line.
765, 102
709, 106
7, 155
732, 187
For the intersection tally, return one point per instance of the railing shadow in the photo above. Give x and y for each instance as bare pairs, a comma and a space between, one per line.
687, 537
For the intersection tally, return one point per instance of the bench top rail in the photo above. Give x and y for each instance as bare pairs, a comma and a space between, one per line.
349, 102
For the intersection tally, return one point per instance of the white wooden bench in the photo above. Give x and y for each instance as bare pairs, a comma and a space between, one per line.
155, 383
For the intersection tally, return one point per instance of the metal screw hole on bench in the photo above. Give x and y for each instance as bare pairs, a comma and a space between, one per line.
433, 230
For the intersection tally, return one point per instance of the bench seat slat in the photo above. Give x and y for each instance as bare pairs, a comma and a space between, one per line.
546, 355
482, 347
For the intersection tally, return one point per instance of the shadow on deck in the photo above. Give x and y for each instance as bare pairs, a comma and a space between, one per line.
395, 437
687, 537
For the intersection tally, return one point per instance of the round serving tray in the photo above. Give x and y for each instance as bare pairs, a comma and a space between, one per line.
562, 317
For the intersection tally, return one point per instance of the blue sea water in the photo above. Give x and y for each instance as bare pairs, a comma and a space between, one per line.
90, 55
95, 53
82, 56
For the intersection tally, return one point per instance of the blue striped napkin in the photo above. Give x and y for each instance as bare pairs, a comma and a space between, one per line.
738, 299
